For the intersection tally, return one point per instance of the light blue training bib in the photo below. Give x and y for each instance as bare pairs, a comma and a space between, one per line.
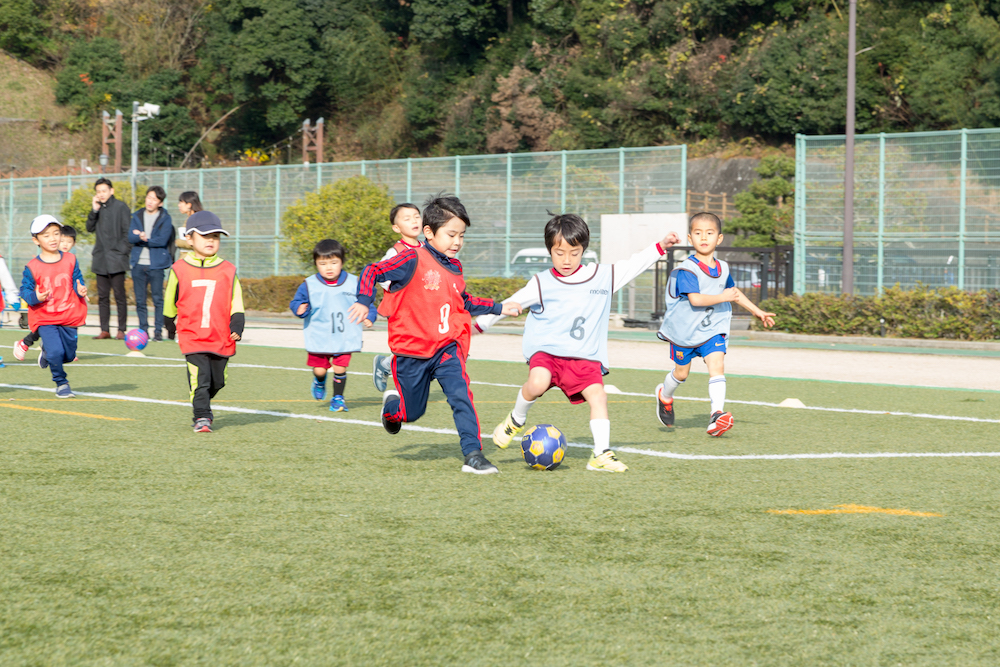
687, 326
572, 319
327, 329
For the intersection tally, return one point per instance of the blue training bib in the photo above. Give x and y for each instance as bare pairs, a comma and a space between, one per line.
685, 325
327, 329
572, 319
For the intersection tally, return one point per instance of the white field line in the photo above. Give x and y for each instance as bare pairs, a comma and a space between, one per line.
855, 411
444, 431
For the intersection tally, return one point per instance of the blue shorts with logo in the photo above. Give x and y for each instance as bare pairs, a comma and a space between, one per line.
683, 356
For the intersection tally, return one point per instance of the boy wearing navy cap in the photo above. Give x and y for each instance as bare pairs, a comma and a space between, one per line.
205, 298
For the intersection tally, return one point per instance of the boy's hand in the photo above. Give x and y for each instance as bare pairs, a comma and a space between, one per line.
42, 296
234, 336
766, 318
670, 239
356, 313
731, 294
301, 309
511, 309
368, 323
82, 291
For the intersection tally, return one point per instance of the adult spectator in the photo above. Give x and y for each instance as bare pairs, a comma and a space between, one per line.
188, 204
150, 234
109, 222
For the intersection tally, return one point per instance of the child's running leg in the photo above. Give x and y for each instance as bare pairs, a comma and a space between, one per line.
665, 393
337, 403
53, 340
602, 459
408, 402
451, 375
539, 381
319, 363
199, 372
381, 369
721, 420
21, 346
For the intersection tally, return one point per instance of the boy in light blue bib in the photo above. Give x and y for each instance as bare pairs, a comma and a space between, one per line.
330, 337
700, 294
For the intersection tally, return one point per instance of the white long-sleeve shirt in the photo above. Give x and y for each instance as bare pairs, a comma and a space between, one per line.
11, 293
625, 272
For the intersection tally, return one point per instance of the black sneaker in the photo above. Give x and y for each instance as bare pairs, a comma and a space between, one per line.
203, 425
664, 409
158, 338
392, 428
477, 464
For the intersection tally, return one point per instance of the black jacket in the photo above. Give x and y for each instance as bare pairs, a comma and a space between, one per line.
110, 227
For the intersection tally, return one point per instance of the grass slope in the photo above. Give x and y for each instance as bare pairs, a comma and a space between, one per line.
277, 540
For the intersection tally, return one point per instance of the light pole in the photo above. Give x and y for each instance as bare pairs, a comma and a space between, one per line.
139, 113
847, 279
103, 159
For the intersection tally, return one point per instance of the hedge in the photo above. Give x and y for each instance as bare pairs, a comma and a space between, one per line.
945, 313
273, 294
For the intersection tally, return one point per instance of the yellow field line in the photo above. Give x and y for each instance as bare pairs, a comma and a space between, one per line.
65, 412
857, 509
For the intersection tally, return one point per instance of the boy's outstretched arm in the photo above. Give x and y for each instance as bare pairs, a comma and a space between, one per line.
524, 298
397, 269
765, 317
629, 269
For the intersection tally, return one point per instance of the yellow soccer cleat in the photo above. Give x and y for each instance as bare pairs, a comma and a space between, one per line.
506, 431
606, 462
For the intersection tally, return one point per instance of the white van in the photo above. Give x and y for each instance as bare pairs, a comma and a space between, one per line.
530, 261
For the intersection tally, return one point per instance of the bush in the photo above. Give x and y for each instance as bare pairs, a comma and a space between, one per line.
273, 294
354, 211
76, 209
946, 313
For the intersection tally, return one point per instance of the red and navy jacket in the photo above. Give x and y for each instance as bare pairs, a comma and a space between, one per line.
399, 269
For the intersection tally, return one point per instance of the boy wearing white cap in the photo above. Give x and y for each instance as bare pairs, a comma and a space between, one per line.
205, 298
53, 287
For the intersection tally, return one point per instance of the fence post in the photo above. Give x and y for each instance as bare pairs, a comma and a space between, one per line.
506, 240
881, 214
765, 269
961, 211
69, 186
621, 190
39, 196
409, 179
319, 176
237, 252
10, 218
684, 173
562, 202
458, 175
800, 208
364, 168
201, 182
166, 180
277, 215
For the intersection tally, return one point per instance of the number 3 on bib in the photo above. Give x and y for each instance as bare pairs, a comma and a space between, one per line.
445, 312
206, 304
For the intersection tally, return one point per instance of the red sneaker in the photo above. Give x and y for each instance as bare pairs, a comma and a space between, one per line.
721, 422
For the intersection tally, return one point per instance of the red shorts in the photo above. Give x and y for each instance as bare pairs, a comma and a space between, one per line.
328, 360
570, 375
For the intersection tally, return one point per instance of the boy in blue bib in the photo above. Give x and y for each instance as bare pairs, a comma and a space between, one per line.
700, 294
330, 337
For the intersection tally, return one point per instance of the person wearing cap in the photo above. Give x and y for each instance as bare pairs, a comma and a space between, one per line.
53, 287
205, 301
108, 221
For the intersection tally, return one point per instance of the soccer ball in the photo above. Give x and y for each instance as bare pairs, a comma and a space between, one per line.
543, 447
136, 339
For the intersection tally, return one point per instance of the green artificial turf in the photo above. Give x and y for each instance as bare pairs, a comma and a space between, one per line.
280, 540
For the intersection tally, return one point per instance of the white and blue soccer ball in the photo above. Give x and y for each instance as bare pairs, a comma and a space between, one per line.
543, 447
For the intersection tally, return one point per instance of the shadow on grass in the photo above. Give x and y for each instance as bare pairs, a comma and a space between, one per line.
107, 389
230, 419
420, 452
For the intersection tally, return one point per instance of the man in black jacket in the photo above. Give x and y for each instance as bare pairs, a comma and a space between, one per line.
109, 221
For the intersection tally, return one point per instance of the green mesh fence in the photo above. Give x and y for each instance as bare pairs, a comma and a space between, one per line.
507, 197
926, 210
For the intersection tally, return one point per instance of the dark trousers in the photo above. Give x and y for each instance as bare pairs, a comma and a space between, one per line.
206, 376
59, 344
142, 276
105, 283
413, 381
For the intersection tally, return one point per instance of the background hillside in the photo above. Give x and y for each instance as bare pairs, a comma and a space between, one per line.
431, 77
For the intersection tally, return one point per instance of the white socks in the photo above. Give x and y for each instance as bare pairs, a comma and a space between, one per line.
717, 393
670, 384
521, 407
601, 430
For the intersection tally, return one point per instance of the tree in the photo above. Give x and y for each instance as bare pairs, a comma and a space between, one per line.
22, 30
354, 211
767, 208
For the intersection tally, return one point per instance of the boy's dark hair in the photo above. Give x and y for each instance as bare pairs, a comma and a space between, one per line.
442, 207
328, 248
104, 181
160, 193
68, 230
571, 228
705, 215
191, 197
396, 209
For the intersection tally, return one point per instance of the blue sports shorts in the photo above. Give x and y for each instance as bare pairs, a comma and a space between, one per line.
683, 356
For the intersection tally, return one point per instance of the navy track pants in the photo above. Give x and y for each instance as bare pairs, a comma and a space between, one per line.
59, 343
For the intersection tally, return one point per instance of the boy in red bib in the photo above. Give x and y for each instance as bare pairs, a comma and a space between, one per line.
53, 287
204, 296
430, 319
